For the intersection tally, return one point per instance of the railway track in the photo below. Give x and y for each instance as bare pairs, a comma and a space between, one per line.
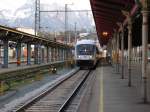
57, 98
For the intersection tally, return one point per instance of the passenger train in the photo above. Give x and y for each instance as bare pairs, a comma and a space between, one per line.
86, 54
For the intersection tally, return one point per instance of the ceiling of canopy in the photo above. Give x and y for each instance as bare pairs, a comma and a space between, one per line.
106, 15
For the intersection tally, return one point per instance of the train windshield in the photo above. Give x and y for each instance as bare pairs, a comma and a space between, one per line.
85, 49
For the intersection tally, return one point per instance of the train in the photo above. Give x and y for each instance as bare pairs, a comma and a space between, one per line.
86, 53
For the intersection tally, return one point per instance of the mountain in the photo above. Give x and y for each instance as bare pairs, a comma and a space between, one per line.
24, 17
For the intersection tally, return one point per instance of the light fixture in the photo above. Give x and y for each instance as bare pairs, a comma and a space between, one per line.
105, 33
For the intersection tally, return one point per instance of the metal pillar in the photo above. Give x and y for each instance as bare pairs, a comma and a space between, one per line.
75, 33
28, 54
57, 50
5, 61
66, 24
36, 54
52, 54
144, 53
42, 54
117, 50
47, 54
129, 49
66, 54
59, 54
113, 52
56, 53
122, 53
37, 16
39, 54
62, 54
136, 54
18, 49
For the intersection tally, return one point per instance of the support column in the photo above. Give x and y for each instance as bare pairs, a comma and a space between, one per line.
5, 61
117, 50
43, 54
65, 54
39, 54
0, 52
136, 53
59, 53
28, 54
129, 20
36, 54
122, 52
57, 56
47, 50
144, 53
18, 51
62, 54
129, 49
113, 52
52, 54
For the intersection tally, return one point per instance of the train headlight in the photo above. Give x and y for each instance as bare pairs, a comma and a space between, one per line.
90, 57
79, 56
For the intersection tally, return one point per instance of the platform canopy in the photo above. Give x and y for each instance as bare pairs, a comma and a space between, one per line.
106, 15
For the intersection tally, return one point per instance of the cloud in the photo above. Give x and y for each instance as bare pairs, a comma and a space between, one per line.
11, 4
19, 12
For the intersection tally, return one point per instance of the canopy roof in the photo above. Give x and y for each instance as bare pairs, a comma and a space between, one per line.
106, 15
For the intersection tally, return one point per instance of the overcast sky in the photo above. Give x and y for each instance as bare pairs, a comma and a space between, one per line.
14, 4
11, 4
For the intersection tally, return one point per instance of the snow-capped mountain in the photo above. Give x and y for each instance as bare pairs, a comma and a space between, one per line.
24, 17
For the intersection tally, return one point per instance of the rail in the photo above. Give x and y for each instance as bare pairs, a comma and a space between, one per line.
69, 86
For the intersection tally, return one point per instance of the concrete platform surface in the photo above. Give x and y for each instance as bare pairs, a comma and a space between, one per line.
110, 93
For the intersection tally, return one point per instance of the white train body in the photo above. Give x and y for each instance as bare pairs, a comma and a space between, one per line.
86, 53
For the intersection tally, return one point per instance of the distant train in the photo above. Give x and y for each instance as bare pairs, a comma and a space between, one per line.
86, 54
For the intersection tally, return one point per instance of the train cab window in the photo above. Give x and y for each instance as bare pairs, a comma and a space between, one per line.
85, 49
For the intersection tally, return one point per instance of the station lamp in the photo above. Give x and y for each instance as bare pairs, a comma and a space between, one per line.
105, 33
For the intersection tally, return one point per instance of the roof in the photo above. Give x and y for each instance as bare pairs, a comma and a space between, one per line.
14, 35
107, 13
85, 41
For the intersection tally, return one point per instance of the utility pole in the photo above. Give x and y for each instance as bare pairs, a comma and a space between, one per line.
66, 24
75, 32
37, 17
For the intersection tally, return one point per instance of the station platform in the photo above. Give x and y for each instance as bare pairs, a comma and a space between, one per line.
24, 66
110, 93
13, 64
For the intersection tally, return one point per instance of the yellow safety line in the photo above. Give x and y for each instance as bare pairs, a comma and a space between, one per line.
101, 109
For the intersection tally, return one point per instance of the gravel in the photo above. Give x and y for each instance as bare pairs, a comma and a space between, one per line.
29, 91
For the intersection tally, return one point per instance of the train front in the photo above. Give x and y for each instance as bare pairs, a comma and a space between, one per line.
85, 55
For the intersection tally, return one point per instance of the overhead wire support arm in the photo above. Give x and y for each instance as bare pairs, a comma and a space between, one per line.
67, 11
